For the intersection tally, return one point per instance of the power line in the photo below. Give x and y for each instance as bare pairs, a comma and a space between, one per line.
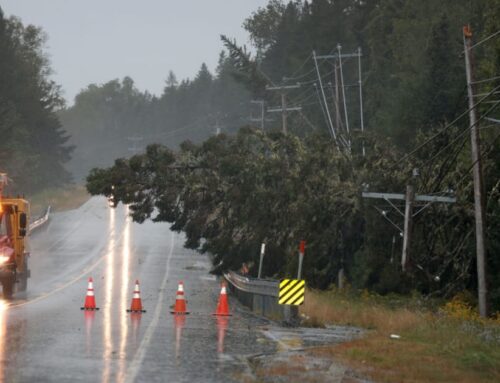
460, 135
323, 110
314, 127
485, 153
300, 95
450, 160
486, 80
309, 103
446, 127
452, 156
295, 101
286, 78
293, 76
316, 79
191, 124
485, 39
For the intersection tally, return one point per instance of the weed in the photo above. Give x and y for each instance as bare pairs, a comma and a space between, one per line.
60, 199
439, 343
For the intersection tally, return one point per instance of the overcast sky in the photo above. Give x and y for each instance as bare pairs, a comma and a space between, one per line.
94, 41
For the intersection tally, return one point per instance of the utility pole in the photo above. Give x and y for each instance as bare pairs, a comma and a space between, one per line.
410, 198
360, 82
284, 108
339, 48
327, 110
284, 113
261, 119
478, 177
217, 126
336, 99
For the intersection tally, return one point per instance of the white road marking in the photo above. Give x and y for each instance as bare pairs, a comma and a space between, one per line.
46, 295
84, 273
133, 370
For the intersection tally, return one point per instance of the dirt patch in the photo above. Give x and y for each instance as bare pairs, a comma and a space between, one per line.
296, 358
302, 366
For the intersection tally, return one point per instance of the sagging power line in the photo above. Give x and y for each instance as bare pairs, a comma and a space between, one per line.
341, 128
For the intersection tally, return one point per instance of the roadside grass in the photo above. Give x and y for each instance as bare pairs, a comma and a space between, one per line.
67, 198
439, 341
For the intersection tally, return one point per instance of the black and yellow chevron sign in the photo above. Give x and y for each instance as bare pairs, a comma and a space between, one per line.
292, 292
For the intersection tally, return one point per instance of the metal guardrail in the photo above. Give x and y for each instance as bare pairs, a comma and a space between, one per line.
261, 296
40, 221
252, 285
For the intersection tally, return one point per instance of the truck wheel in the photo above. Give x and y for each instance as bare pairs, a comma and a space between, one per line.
22, 283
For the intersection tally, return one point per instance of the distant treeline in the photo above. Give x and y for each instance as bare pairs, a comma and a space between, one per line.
117, 120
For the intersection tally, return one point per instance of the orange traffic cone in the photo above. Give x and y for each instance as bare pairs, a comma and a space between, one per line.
222, 306
90, 298
180, 302
136, 306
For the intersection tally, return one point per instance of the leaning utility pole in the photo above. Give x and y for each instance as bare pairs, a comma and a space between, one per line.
284, 108
336, 100
410, 199
360, 82
340, 82
408, 224
478, 177
327, 110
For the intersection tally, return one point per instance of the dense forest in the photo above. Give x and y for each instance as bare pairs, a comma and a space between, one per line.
33, 145
255, 183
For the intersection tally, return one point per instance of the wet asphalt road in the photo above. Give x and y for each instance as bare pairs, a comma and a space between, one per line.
45, 337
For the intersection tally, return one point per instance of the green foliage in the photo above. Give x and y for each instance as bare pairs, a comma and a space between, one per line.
230, 193
33, 145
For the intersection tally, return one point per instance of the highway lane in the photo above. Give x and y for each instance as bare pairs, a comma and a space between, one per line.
45, 337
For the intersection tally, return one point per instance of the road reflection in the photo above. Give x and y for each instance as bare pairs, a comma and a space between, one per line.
179, 322
89, 321
136, 322
12, 342
222, 323
108, 296
3, 335
124, 295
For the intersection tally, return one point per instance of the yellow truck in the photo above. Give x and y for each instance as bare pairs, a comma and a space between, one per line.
14, 225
